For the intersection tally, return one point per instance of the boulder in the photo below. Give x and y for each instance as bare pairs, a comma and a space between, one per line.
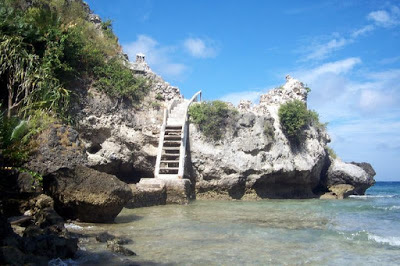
351, 174
86, 194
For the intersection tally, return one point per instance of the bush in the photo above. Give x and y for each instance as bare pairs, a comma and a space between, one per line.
46, 45
331, 152
294, 118
118, 81
211, 117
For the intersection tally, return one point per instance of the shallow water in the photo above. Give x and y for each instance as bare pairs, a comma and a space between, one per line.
358, 231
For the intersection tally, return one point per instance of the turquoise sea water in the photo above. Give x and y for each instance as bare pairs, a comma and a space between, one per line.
362, 230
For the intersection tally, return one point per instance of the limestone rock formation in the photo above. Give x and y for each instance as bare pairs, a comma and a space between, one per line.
120, 138
256, 160
86, 194
351, 174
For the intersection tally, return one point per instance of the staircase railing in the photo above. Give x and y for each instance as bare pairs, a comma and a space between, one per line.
184, 136
167, 111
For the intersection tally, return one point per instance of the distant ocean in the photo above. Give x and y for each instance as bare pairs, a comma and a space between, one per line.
361, 230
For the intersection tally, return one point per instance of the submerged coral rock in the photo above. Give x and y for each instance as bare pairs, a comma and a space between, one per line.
86, 194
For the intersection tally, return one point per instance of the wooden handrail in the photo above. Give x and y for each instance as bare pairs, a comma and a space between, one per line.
184, 136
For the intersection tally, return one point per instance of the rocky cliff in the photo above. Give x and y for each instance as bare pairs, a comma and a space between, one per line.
255, 159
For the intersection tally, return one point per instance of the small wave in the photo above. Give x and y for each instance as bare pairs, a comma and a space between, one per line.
391, 208
73, 226
371, 196
392, 241
365, 235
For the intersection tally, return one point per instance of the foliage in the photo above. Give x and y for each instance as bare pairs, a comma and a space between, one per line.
16, 135
211, 117
159, 97
308, 89
156, 105
118, 81
45, 46
331, 152
294, 117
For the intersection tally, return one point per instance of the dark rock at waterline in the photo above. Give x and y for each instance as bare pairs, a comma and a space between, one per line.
114, 246
106, 237
87, 194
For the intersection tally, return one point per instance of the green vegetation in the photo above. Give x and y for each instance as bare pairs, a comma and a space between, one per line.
159, 97
212, 117
331, 152
46, 46
294, 118
308, 89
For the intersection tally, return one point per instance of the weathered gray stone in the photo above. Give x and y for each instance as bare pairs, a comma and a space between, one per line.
348, 173
86, 194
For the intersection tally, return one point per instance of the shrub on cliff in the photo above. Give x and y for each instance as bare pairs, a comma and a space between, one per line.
294, 118
46, 45
211, 117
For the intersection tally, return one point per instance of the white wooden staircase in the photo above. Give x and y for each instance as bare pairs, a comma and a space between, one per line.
170, 163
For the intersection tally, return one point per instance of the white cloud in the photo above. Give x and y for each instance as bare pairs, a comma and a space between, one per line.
371, 100
337, 67
321, 51
200, 48
362, 31
385, 18
157, 56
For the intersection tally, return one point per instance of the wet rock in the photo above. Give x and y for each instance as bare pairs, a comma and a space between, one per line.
104, 237
178, 191
86, 194
118, 248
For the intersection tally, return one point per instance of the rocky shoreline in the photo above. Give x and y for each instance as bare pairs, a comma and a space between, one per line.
106, 160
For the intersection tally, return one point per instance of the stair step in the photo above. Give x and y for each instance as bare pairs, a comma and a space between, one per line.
169, 161
171, 148
173, 127
172, 142
172, 137
170, 156
169, 168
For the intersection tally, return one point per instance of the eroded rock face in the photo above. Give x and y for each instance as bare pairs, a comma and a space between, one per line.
86, 194
59, 146
351, 174
255, 159
120, 138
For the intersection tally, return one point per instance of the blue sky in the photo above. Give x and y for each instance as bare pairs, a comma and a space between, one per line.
347, 52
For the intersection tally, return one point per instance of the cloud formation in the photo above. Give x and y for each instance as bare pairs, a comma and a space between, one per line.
200, 48
158, 56
380, 18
